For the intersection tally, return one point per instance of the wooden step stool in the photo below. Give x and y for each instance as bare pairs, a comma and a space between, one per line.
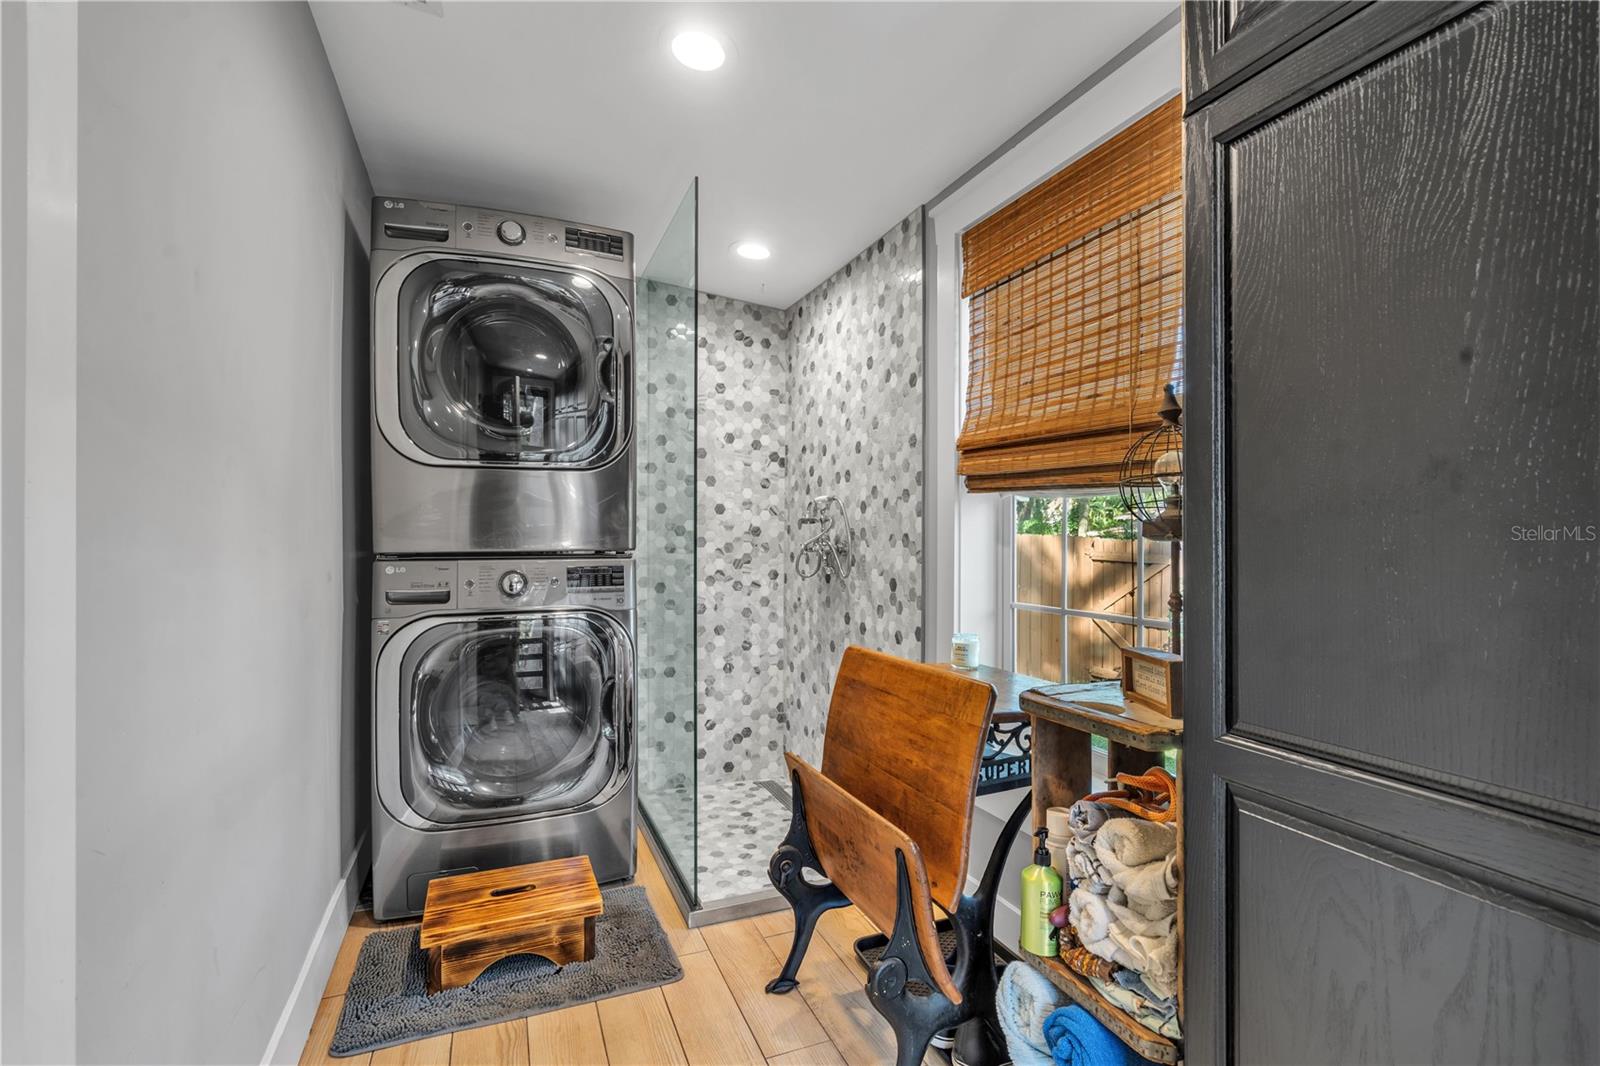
472, 921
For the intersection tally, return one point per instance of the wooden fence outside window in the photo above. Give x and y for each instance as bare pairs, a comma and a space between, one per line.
1102, 574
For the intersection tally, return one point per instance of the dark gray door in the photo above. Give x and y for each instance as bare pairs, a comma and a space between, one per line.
1393, 759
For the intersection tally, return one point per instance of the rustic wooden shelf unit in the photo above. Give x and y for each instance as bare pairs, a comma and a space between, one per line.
1064, 717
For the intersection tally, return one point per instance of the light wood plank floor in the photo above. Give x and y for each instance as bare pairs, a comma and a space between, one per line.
718, 1015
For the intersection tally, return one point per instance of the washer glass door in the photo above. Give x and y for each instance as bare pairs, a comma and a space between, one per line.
514, 715
505, 362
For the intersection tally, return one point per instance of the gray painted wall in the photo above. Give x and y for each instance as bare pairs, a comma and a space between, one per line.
38, 531
222, 306
856, 373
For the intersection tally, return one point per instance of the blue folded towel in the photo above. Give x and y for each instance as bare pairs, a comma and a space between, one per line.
1077, 1039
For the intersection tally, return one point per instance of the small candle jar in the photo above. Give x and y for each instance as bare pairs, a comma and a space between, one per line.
964, 651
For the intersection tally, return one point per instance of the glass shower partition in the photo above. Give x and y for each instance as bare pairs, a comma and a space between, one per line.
667, 327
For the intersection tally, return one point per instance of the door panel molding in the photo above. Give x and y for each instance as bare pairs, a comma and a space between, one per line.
1365, 34
1345, 942
1524, 684
1483, 793
1228, 41
1465, 844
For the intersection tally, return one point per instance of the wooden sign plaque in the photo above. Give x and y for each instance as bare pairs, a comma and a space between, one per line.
1153, 678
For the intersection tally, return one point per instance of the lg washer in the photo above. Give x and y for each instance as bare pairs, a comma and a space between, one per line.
503, 718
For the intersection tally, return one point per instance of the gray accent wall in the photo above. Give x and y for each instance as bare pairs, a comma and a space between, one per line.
743, 533
221, 762
857, 434
824, 398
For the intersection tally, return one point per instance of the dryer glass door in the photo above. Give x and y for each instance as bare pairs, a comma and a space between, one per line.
502, 362
514, 715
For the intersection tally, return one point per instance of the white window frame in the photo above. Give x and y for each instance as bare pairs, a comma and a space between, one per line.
963, 549
1010, 605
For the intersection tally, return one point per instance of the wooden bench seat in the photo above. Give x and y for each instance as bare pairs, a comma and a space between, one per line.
886, 821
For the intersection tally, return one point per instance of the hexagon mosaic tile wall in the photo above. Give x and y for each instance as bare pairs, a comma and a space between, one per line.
823, 398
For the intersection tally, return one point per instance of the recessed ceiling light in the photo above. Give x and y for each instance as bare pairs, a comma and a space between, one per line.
698, 51
751, 250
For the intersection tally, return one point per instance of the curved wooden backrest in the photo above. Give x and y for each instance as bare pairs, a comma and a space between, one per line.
857, 847
906, 739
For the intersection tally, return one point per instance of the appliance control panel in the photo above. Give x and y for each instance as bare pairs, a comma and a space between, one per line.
406, 587
490, 584
409, 224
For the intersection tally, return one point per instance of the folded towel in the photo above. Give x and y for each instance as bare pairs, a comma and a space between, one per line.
1134, 841
1080, 860
1137, 1008
1133, 923
1077, 1039
1023, 1001
1155, 958
1090, 916
1087, 815
1162, 1007
1113, 932
1150, 889
1083, 867
1153, 882
1095, 917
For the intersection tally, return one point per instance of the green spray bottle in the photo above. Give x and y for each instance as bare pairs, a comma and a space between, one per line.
1041, 894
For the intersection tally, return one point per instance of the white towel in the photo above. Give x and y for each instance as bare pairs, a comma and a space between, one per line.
1150, 889
1090, 916
1134, 841
1133, 923
1118, 934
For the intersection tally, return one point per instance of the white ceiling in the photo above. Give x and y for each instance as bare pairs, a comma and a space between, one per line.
828, 124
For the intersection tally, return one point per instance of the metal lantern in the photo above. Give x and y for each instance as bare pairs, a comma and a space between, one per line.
1151, 480
1151, 484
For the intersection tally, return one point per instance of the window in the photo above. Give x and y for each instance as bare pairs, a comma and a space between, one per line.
1083, 585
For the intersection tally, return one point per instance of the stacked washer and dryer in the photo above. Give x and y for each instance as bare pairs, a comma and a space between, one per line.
503, 527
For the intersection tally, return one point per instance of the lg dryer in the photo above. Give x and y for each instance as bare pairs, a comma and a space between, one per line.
503, 382
503, 718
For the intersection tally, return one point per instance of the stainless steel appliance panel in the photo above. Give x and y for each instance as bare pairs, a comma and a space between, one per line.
503, 382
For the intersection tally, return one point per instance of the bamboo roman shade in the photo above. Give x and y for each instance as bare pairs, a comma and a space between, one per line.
1076, 315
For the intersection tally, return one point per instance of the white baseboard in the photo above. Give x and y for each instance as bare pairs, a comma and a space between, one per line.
300, 1010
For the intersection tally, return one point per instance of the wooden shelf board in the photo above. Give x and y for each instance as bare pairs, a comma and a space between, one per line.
1144, 1041
1136, 727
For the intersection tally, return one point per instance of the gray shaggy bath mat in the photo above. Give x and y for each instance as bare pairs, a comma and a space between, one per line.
388, 1001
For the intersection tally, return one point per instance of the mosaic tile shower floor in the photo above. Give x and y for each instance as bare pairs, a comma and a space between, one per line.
739, 825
